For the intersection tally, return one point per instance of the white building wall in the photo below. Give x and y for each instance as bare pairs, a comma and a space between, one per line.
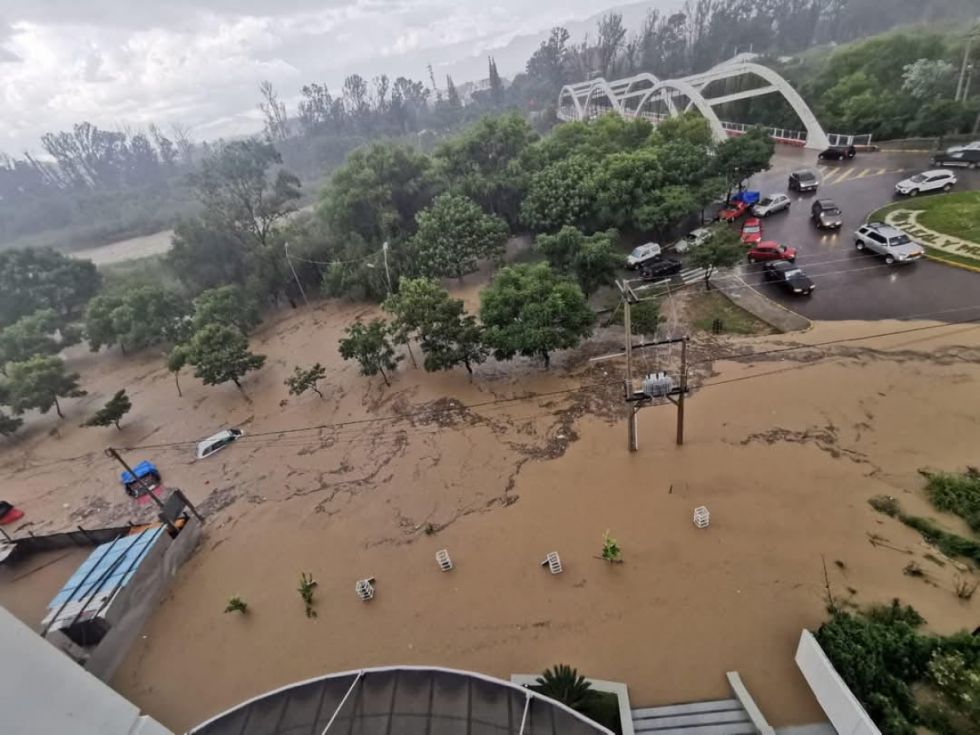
44, 691
839, 703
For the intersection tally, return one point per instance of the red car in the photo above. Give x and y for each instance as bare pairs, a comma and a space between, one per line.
752, 231
770, 250
733, 211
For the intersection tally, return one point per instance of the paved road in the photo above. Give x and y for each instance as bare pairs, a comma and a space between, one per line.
851, 284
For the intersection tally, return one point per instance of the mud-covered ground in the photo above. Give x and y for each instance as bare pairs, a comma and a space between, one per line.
783, 447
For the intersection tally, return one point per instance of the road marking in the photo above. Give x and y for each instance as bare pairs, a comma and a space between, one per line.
863, 173
843, 175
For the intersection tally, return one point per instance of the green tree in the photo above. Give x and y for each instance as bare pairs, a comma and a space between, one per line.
564, 684
9, 424
229, 305
484, 163
206, 255
38, 383
927, 79
723, 249
371, 347
134, 319
413, 308
236, 187
453, 235
220, 354
496, 86
30, 335
563, 193
41, 278
736, 159
176, 360
377, 193
111, 413
303, 380
455, 338
531, 310
592, 259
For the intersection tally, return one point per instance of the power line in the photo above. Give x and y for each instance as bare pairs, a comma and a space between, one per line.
497, 402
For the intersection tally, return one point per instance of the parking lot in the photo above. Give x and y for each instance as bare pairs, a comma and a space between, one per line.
852, 284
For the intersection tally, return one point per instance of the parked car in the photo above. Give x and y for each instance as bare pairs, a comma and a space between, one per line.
692, 239
770, 204
974, 146
788, 275
826, 213
837, 153
643, 254
803, 180
895, 245
733, 211
935, 180
770, 250
661, 268
217, 442
966, 157
752, 231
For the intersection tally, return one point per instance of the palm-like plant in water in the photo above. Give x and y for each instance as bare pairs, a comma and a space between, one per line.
564, 684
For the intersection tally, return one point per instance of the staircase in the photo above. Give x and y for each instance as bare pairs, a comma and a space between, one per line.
717, 717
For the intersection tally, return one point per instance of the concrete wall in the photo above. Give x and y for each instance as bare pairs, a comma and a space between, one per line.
44, 691
841, 706
142, 595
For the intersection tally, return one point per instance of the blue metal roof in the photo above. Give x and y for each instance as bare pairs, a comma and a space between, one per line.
109, 566
143, 469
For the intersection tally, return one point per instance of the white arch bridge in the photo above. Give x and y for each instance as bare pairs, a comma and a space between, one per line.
646, 96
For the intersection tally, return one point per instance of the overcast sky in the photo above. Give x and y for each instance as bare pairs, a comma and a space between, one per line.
131, 62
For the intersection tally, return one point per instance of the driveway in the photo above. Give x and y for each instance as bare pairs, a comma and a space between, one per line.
852, 284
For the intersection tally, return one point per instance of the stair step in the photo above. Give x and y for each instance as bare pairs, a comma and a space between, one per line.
694, 719
729, 729
715, 705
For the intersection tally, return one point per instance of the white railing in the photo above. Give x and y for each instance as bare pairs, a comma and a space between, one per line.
780, 135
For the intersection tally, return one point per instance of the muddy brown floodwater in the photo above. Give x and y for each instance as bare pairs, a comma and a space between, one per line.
784, 448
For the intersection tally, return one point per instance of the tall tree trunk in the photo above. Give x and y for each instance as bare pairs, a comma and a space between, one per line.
57, 407
177, 381
118, 427
317, 391
408, 344
547, 359
385, 377
469, 368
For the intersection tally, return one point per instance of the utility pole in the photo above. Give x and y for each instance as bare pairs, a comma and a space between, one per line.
302, 291
680, 398
632, 442
110, 452
384, 253
962, 90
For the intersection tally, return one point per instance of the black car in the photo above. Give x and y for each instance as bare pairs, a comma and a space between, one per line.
661, 268
968, 157
788, 275
804, 180
826, 213
837, 153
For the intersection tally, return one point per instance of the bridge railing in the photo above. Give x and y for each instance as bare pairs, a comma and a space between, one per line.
780, 135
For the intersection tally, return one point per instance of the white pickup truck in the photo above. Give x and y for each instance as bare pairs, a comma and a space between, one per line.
891, 242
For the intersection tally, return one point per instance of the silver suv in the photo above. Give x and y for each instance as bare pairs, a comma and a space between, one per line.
895, 245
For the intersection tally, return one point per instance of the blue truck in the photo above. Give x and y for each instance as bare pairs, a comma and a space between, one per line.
144, 476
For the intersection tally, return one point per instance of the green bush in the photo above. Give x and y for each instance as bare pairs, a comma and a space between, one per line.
959, 494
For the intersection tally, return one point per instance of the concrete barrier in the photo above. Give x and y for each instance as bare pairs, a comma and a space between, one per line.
838, 702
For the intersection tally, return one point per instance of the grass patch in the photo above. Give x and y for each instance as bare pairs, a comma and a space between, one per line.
705, 307
951, 544
150, 270
885, 504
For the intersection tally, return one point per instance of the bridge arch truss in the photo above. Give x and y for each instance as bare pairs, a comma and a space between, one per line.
644, 95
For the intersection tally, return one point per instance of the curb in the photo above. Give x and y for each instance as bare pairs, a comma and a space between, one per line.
808, 323
953, 263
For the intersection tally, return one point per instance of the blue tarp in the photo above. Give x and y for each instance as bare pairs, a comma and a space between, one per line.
749, 197
143, 469
106, 574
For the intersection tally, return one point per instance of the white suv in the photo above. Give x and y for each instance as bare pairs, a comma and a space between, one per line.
643, 254
937, 180
895, 245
